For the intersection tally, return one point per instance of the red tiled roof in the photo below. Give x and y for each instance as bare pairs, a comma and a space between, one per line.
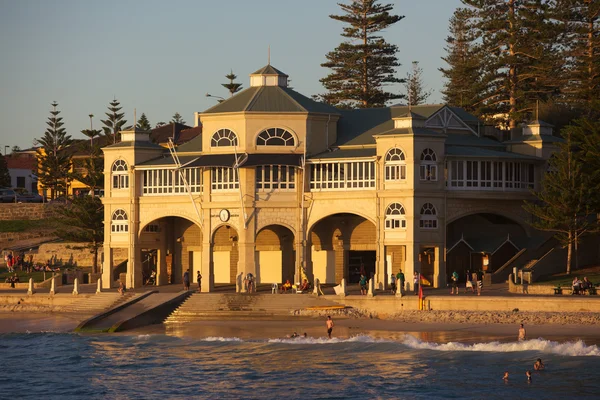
188, 134
163, 133
21, 161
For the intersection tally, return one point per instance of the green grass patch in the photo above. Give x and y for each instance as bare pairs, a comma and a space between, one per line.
564, 280
27, 225
24, 276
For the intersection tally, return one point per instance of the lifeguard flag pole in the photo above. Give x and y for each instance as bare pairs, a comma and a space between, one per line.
420, 293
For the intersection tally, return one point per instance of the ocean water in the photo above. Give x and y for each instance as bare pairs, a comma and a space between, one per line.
166, 366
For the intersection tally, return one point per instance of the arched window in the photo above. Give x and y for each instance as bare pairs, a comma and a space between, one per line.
224, 138
120, 176
395, 165
275, 137
119, 223
395, 217
428, 217
428, 170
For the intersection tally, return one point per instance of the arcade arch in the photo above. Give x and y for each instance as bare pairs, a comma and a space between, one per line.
342, 246
275, 254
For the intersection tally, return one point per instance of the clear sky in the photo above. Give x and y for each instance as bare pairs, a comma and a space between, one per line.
160, 56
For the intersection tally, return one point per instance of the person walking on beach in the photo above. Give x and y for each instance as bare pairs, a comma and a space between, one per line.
186, 280
522, 333
329, 324
199, 279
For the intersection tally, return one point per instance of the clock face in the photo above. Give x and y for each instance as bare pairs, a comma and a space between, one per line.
224, 215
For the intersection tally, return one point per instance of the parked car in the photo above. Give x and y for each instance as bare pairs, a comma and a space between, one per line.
8, 195
23, 196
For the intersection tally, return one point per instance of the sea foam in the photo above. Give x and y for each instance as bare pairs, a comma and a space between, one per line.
221, 339
324, 340
576, 348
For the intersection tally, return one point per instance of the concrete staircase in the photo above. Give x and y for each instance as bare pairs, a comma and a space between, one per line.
97, 303
207, 306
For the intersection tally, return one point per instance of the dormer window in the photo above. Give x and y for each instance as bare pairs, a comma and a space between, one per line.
275, 137
395, 165
120, 175
224, 138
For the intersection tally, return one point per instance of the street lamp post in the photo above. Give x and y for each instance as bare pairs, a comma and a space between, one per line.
221, 99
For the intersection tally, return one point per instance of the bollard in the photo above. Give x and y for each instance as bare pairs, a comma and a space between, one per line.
371, 291
53, 286
75, 286
30, 289
99, 288
399, 289
344, 287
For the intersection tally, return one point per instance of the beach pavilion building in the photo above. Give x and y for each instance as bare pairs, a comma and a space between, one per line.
284, 187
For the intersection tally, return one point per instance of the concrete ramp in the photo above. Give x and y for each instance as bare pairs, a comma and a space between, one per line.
146, 309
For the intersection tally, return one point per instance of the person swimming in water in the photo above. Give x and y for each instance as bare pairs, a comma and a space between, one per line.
539, 365
505, 377
293, 335
528, 375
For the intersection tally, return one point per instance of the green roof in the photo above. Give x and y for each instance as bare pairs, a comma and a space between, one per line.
345, 153
271, 99
268, 70
457, 139
477, 152
137, 145
413, 131
536, 138
166, 160
357, 127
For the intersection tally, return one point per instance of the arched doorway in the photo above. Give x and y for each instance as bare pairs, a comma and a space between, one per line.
225, 254
483, 241
169, 247
275, 254
342, 246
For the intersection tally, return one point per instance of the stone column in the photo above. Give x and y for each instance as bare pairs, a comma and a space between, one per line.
412, 263
439, 268
107, 268
30, 288
76, 286
399, 288
246, 263
208, 276
99, 288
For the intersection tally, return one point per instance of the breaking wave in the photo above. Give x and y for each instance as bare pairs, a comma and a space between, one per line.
575, 348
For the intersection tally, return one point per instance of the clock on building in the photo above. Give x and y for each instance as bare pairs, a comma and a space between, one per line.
224, 215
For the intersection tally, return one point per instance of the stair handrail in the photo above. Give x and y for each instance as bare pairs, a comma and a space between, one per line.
510, 261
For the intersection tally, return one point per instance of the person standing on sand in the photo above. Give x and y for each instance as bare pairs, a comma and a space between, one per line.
199, 279
329, 324
522, 333
186, 280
